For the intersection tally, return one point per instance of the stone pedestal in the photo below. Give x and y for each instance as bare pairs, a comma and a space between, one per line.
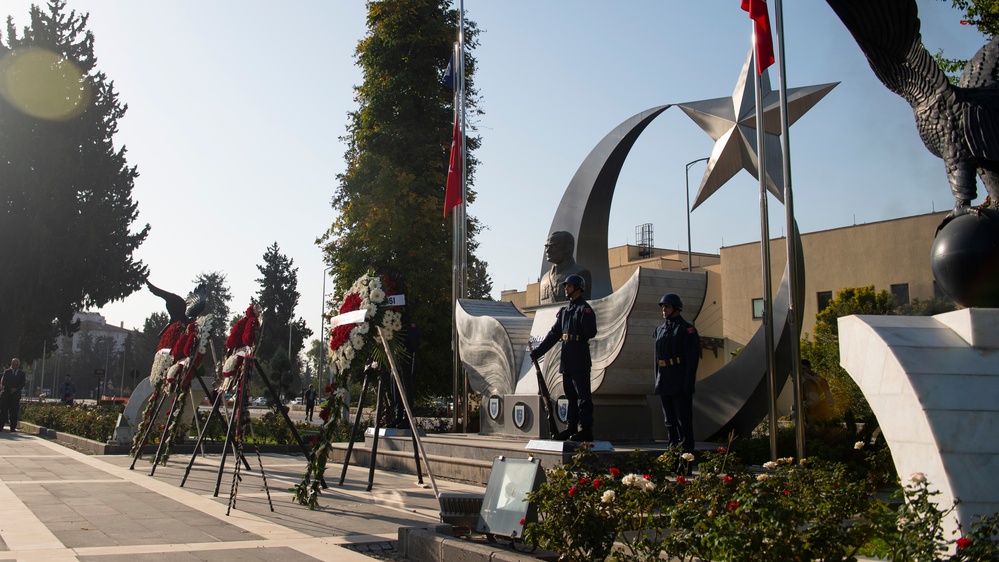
933, 384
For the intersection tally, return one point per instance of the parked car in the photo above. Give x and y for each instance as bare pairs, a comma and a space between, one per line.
298, 401
259, 401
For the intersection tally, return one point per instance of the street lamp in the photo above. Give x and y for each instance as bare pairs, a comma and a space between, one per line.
690, 254
322, 327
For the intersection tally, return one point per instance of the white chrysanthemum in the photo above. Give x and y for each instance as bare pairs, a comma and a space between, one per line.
340, 393
762, 477
917, 478
608, 497
858, 445
356, 340
348, 353
689, 457
376, 295
362, 328
770, 465
372, 310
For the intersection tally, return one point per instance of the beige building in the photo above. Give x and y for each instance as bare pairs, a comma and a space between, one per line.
892, 255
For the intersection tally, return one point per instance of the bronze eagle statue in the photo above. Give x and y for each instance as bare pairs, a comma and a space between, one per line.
959, 124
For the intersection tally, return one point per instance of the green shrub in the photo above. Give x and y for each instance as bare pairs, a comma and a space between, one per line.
92, 422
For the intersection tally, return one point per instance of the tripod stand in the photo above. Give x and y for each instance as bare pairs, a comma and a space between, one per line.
237, 417
418, 449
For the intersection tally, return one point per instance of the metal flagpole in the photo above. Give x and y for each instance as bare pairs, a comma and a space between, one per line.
463, 245
792, 241
768, 316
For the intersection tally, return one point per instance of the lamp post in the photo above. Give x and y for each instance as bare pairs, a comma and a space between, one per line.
322, 326
690, 254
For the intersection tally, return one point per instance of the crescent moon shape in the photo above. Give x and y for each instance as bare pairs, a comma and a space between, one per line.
733, 397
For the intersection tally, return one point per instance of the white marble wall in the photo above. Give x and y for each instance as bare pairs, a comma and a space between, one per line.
933, 383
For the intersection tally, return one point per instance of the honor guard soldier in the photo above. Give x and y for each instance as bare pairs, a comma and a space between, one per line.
678, 349
575, 325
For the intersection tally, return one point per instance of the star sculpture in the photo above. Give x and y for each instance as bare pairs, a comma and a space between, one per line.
731, 122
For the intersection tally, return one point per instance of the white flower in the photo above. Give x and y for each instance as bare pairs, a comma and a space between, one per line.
340, 393
687, 457
762, 477
608, 497
372, 310
917, 478
858, 445
631, 479
362, 328
786, 460
356, 340
376, 295
770, 465
646, 485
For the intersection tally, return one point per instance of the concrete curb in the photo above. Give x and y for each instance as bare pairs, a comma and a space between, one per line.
424, 544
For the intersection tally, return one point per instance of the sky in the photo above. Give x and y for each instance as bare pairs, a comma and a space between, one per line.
236, 109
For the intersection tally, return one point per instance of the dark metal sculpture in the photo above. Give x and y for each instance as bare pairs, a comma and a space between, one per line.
957, 123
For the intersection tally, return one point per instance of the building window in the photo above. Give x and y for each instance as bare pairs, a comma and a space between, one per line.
900, 293
757, 309
822, 299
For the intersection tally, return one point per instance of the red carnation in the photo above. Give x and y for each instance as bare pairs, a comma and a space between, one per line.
786, 492
732, 506
330, 388
584, 480
681, 480
647, 476
722, 450
727, 479
522, 521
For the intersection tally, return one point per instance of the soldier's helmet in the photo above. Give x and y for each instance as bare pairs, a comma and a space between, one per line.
673, 300
576, 281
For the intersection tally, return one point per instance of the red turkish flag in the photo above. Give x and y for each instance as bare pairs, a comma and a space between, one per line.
452, 193
764, 40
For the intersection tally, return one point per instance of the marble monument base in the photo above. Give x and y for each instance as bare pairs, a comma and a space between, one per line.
616, 418
932, 382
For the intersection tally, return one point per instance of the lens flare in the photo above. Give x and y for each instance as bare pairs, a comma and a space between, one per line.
43, 84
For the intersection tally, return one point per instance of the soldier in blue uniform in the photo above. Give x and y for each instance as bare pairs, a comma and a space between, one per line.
574, 326
678, 349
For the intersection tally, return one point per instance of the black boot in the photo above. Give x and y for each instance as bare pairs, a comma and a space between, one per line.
583, 436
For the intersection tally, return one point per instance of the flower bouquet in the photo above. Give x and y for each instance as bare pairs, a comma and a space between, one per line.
351, 343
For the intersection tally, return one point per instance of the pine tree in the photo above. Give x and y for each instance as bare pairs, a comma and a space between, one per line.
66, 208
390, 199
219, 297
278, 295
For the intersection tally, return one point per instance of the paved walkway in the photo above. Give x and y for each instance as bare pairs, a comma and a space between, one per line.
58, 504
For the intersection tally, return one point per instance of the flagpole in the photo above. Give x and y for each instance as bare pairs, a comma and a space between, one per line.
768, 316
464, 199
455, 257
792, 240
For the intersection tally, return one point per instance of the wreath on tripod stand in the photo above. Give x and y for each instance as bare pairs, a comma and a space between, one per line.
351, 344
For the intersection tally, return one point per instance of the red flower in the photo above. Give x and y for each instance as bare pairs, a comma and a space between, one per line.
572, 492
340, 334
584, 480
727, 479
963, 542
732, 506
324, 414
522, 521
722, 450
786, 493
597, 482
615, 472
330, 388
647, 476
681, 480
